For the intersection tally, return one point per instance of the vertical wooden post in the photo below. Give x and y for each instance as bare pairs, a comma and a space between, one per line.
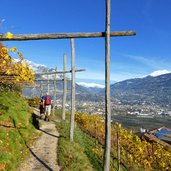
48, 83
73, 91
54, 94
33, 92
64, 89
106, 164
41, 89
118, 150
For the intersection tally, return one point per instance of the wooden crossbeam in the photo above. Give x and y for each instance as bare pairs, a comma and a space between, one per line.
37, 86
4, 74
23, 37
59, 72
49, 80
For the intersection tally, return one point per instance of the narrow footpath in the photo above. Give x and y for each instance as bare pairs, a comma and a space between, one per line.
43, 154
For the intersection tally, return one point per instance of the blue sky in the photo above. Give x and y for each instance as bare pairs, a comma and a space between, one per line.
131, 57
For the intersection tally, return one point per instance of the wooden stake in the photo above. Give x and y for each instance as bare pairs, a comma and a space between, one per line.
106, 164
64, 90
118, 150
72, 92
54, 94
41, 89
48, 83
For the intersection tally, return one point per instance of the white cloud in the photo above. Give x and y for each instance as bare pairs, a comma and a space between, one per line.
155, 63
159, 72
90, 84
114, 76
146, 61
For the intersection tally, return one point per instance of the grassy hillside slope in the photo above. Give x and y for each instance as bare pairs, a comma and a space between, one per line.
16, 130
77, 155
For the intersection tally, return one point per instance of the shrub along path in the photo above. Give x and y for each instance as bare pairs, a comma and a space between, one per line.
43, 154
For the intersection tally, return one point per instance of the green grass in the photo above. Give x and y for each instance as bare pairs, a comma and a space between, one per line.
16, 130
76, 155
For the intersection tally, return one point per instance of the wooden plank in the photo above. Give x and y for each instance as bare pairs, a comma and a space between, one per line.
43, 36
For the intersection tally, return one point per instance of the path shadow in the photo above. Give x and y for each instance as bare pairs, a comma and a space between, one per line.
35, 121
36, 124
37, 158
33, 153
49, 133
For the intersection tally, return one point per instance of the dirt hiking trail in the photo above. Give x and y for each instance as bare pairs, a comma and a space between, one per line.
43, 154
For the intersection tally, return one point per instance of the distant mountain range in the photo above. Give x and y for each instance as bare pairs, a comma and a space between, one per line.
149, 90
84, 91
155, 88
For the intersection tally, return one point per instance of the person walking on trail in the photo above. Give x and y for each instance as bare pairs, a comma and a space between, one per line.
47, 101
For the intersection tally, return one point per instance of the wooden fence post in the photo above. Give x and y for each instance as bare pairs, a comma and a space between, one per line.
54, 94
73, 91
41, 89
32, 93
106, 160
118, 150
48, 84
64, 89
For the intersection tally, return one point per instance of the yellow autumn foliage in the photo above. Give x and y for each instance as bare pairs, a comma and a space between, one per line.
11, 71
135, 152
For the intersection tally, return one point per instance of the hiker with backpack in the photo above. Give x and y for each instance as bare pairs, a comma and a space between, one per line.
47, 102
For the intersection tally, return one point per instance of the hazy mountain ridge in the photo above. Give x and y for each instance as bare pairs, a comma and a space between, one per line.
155, 88
144, 90
88, 92
82, 93
139, 90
